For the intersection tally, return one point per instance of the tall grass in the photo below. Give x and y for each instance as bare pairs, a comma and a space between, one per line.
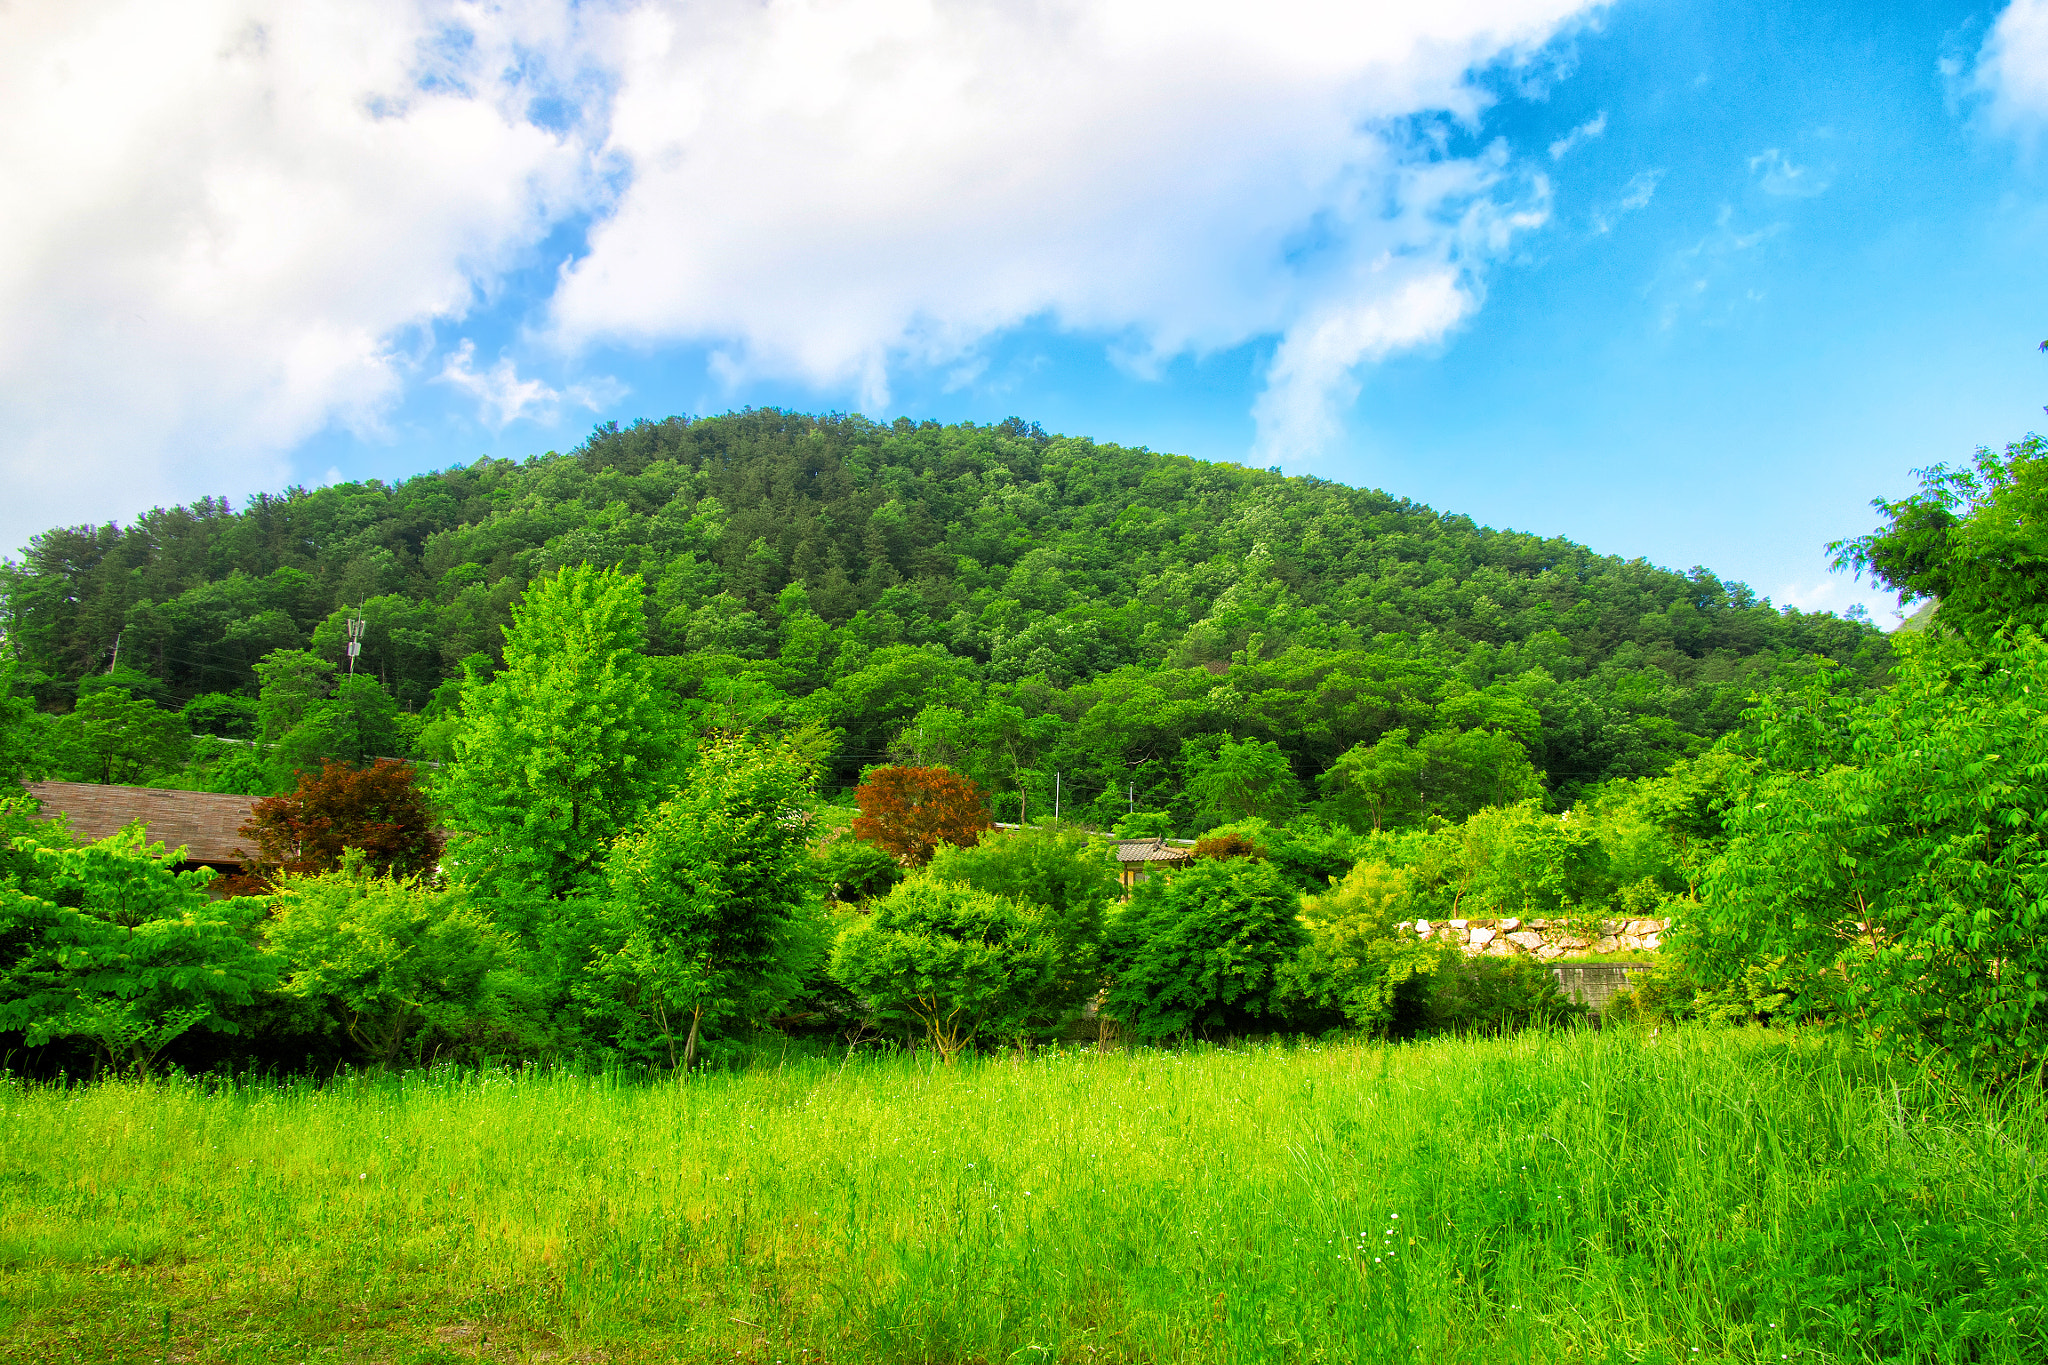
1601, 1197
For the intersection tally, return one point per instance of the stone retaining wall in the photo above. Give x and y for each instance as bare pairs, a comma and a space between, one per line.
1543, 939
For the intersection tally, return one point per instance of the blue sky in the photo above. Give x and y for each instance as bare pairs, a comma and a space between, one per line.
1682, 281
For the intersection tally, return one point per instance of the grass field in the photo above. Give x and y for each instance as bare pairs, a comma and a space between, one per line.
1597, 1197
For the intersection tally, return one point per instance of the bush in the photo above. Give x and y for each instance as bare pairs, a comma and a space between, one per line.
393, 963
856, 872
1357, 966
1203, 950
1494, 995
955, 964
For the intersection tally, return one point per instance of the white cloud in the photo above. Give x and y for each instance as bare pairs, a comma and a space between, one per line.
1697, 280
1776, 174
1591, 128
1843, 594
2012, 68
223, 217
232, 223
504, 398
1636, 194
830, 191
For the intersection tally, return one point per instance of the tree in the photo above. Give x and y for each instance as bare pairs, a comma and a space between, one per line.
561, 750
909, 812
24, 731
856, 871
1068, 873
108, 943
378, 811
1447, 773
708, 887
1974, 540
1230, 779
1203, 950
956, 963
291, 683
111, 736
1887, 859
389, 958
1357, 963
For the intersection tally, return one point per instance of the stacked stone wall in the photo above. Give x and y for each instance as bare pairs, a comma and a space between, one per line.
1544, 939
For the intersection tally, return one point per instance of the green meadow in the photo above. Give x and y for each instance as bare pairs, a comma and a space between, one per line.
1620, 1196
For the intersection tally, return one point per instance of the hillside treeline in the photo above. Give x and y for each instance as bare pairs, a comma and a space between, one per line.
1035, 610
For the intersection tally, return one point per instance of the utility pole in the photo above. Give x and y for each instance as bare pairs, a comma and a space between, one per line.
355, 640
1055, 796
1131, 800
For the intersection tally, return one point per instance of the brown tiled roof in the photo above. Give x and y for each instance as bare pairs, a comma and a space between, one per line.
1150, 851
204, 822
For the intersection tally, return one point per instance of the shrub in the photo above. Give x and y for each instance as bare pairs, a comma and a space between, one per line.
1357, 965
1203, 950
378, 811
1494, 995
954, 963
390, 960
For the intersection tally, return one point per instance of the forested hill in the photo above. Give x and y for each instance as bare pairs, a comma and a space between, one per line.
1062, 603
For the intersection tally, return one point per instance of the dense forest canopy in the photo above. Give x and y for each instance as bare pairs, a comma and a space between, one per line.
1015, 604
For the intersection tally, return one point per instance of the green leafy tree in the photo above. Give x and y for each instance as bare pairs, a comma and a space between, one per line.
1974, 540
708, 892
1887, 859
1203, 951
1067, 872
856, 871
111, 736
956, 964
1446, 773
109, 943
24, 731
1357, 963
291, 684
1231, 779
389, 960
561, 750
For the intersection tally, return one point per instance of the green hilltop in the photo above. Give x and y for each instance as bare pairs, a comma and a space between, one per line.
1020, 605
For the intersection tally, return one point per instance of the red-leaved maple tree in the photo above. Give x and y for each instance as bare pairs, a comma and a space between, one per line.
379, 809
909, 812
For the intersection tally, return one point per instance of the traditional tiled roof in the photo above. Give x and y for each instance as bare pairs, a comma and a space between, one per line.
205, 823
1151, 851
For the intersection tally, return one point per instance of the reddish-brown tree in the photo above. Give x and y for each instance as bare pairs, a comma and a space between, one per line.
378, 809
1226, 846
909, 812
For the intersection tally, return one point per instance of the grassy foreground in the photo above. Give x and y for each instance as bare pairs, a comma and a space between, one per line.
1598, 1197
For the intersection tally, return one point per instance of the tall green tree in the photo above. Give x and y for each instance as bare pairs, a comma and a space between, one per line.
709, 890
561, 750
1887, 859
1232, 779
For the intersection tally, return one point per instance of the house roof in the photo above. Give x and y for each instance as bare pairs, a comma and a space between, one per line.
1151, 851
205, 823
